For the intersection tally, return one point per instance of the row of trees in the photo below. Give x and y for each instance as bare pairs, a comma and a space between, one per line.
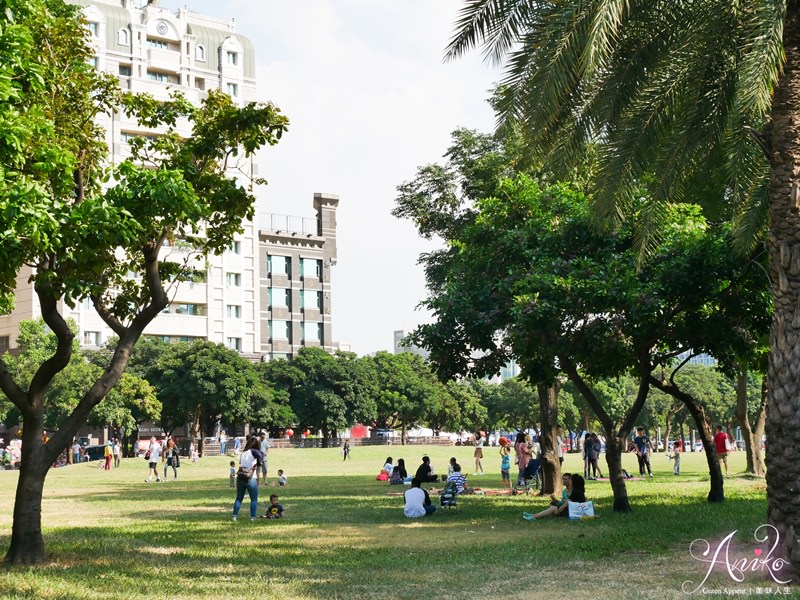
525, 272
696, 101
202, 384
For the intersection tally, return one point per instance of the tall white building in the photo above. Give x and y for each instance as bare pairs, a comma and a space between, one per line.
156, 51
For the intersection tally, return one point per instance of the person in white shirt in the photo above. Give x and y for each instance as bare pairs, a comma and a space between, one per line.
155, 452
417, 501
264, 447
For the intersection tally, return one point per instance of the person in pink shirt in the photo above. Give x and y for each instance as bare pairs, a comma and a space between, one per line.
722, 445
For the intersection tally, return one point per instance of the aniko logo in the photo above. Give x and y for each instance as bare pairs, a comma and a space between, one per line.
723, 558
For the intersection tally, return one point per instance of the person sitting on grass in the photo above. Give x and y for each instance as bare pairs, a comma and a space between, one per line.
274, 510
574, 490
417, 501
425, 471
399, 474
460, 480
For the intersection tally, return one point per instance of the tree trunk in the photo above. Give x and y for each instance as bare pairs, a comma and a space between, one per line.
751, 446
716, 492
783, 409
551, 467
27, 543
615, 446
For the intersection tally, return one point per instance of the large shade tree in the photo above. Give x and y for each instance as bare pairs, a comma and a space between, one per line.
82, 241
671, 86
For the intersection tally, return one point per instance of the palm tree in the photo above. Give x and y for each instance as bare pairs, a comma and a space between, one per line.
670, 92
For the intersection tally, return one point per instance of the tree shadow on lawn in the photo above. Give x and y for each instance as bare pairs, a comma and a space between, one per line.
349, 538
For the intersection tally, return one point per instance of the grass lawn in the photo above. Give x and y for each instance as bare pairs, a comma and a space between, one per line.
110, 535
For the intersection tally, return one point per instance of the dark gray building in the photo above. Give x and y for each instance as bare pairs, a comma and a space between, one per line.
295, 259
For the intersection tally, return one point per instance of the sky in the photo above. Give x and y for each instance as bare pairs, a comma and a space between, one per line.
369, 101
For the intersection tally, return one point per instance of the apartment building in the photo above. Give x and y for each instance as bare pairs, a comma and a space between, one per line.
234, 298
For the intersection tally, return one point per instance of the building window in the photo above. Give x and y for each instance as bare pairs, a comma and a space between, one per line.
163, 338
235, 343
91, 338
279, 355
156, 76
196, 310
93, 28
312, 332
93, 61
232, 58
125, 70
5, 343
278, 297
233, 279
311, 299
278, 265
160, 44
233, 90
123, 37
234, 311
279, 330
199, 83
200, 53
235, 247
311, 268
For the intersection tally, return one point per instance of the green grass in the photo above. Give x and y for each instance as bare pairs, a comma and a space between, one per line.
110, 535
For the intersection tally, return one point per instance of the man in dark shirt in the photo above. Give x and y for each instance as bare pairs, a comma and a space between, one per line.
425, 471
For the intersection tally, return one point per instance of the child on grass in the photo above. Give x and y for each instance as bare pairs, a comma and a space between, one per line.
282, 479
233, 474
505, 463
275, 510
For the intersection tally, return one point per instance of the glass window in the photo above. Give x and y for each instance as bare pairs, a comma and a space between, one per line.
278, 265
234, 311
161, 45
93, 61
312, 332
235, 247
234, 279
279, 330
155, 76
5, 343
233, 90
232, 58
235, 343
123, 37
125, 70
311, 268
200, 53
190, 309
93, 28
278, 297
91, 338
311, 299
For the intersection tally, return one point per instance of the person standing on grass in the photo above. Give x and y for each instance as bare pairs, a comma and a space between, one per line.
676, 457
593, 447
505, 463
247, 478
263, 445
560, 445
480, 441
346, 450
523, 455
76, 452
117, 450
417, 502
153, 452
171, 459
643, 448
722, 446
108, 454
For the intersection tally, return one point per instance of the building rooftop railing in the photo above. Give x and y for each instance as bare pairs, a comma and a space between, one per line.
288, 224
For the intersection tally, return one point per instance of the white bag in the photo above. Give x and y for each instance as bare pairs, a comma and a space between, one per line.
580, 510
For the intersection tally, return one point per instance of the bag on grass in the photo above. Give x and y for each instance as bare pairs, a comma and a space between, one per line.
580, 510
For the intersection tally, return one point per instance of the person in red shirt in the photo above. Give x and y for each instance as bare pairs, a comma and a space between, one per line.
721, 446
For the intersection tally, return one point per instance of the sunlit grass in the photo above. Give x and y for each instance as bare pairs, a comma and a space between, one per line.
110, 535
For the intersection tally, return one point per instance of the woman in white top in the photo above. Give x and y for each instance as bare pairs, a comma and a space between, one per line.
480, 440
388, 467
247, 478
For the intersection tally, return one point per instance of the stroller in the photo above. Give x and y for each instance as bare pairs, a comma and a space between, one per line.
530, 479
449, 496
